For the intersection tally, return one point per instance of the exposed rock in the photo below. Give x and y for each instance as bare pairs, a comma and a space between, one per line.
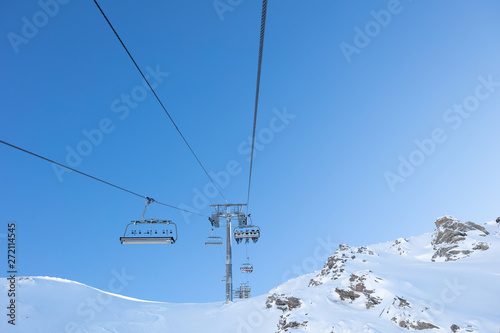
334, 266
481, 246
357, 288
27, 278
284, 325
416, 325
449, 238
372, 301
285, 304
405, 316
365, 250
498, 219
451, 230
346, 294
401, 303
343, 247
457, 329
282, 302
401, 245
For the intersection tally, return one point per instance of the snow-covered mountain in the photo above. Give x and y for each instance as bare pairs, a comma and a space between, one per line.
445, 281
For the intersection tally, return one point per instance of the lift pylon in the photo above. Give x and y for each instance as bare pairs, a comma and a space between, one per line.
228, 211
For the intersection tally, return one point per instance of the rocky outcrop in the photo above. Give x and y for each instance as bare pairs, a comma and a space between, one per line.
400, 245
334, 266
282, 302
285, 304
457, 329
356, 282
416, 325
284, 324
405, 316
345, 279
452, 239
357, 289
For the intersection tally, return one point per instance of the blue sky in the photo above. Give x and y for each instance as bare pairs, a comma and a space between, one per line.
416, 103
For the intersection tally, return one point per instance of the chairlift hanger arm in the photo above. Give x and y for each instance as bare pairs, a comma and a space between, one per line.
149, 201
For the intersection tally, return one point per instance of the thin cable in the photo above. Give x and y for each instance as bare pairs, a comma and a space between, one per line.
159, 101
261, 49
95, 178
247, 261
185, 210
220, 251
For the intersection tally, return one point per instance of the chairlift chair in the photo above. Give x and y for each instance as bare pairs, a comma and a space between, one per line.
243, 291
250, 232
151, 231
246, 267
213, 240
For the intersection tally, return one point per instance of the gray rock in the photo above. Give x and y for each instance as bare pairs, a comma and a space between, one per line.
450, 233
284, 324
282, 302
346, 294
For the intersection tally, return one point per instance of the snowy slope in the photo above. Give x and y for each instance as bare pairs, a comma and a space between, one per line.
445, 281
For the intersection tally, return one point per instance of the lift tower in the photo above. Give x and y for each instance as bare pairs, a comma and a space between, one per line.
228, 211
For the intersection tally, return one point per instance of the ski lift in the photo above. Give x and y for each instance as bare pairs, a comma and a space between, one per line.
243, 291
213, 240
250, 232
245, 231
246, 267
149, 231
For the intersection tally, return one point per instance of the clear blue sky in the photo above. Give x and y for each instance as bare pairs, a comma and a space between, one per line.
359, 102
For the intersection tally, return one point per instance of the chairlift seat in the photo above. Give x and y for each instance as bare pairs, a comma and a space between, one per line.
147, 240
243, 291
247, 234
213, 240
246, 267
146, 232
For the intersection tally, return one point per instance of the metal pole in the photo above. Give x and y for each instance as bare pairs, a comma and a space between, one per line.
229, 265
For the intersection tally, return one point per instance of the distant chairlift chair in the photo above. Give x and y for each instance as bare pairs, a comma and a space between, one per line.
243, 291
246, 267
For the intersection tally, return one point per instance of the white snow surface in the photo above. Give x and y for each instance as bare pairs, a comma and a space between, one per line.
406, 285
